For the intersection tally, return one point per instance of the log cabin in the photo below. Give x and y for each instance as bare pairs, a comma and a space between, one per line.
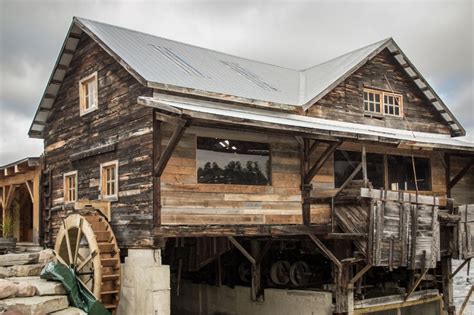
347, 179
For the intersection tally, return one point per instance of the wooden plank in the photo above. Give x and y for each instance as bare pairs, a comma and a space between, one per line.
325, 251
320, 162
360, 274
156, 179
242, 250
461, 174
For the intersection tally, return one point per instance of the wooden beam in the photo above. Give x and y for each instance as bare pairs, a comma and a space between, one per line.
364, 166
461, 174
264, 230
326, 251
360, 274
175, 120
349, 179
242, 250
320, 162
29, 186
451, 276
466, 300
172, 143
156, 179
417, 282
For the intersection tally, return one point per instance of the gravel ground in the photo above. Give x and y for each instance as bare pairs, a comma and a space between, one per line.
462, 284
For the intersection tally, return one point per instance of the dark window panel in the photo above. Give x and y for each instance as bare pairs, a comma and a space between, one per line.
225, 161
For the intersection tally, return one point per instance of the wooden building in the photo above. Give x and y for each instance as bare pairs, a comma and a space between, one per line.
346, 166
19, 199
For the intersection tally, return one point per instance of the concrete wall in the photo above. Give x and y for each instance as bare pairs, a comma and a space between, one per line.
201, 299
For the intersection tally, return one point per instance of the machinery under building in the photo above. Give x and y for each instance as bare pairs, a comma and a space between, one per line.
184, 180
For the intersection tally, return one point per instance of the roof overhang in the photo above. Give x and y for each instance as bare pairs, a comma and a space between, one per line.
299, 124
19, 167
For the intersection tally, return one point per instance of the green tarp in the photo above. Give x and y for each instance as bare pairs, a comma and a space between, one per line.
79, 296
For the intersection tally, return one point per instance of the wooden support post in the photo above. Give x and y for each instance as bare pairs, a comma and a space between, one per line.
364, 166
447, 161
349, 179
417, 282
256, 289
305, 187
242, 250
447, 282
156, 179
466, 300
451, 276
172, 143
325, 251
320, 162
257, 292
344, 292
360, 274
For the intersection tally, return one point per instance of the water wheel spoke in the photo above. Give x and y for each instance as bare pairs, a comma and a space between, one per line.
88, 259
78, 241
68, 243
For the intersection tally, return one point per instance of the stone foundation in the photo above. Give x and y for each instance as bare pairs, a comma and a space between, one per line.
145, 284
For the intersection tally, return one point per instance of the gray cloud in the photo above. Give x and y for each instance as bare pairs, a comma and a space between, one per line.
437, 37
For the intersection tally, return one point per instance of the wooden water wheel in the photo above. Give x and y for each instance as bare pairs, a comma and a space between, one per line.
87, 244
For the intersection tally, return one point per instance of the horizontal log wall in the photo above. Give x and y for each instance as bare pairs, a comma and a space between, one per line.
185, 201
119, 120
346, 101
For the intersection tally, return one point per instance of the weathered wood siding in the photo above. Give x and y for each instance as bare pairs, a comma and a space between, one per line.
346, 101
185, 201
119, 120
462, 192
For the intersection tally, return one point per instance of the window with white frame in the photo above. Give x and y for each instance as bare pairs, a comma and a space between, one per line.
88, 99
109, 180
70, 187
383, 103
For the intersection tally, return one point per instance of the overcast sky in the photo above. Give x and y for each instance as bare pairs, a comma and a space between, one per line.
436, 36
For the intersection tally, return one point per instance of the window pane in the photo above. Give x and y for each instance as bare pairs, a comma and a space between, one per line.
377, 107
377, 97
365, 96
371, 107
366, 106
400, 169
371, 96
224, 161
397, 111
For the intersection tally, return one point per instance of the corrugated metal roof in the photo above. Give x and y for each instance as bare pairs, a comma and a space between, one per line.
266, 118
170, 65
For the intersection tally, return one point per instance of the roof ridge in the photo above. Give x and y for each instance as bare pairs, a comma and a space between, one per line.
382, 42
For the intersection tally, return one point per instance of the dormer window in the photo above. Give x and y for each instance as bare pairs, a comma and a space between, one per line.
383, 103
88, 100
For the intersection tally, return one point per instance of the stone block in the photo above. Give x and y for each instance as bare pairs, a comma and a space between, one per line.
43, 287
5, 272
25, 290
46, 256
18, 259
7, 288
26, 270
70, 311
36, 305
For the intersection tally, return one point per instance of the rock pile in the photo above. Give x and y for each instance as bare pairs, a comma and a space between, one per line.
22, 291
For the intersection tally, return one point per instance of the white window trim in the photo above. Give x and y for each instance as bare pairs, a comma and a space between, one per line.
382, 103
76, 189
82, 96
113, 197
